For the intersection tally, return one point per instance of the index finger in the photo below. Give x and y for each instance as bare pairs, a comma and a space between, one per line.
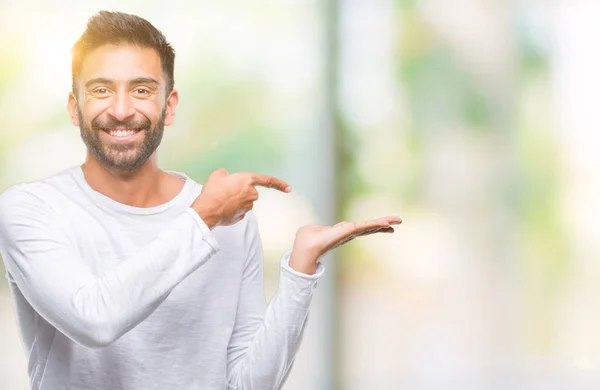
377, 223
270, 182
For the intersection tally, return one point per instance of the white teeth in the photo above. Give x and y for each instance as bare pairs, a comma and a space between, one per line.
122, 133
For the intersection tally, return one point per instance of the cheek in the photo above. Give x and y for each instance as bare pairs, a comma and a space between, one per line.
92, 109
95, 108
150, 110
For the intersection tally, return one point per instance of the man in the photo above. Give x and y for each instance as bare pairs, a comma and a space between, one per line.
125, 276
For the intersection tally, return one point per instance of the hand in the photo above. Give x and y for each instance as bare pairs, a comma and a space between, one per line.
313, 241
226, 198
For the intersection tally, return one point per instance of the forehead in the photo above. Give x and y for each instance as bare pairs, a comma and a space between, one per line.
121, 63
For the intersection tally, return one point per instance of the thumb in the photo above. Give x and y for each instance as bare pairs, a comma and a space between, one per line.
221, 172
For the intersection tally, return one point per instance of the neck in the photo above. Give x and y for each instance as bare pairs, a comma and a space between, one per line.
148, 186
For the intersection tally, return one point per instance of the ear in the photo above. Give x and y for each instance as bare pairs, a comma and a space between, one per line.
172, 101
72, 107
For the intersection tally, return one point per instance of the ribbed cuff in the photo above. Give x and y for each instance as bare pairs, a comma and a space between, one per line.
207, 234
303, 282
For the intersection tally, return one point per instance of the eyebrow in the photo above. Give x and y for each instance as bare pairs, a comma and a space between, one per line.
139, 80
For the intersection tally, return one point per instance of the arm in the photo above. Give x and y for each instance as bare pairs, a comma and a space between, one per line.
92, 310
264, 341
262, 349
96, 310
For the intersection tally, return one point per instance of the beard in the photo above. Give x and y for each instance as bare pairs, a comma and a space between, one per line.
121, 156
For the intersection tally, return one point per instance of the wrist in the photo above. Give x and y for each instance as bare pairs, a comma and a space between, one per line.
209, 218
303, 261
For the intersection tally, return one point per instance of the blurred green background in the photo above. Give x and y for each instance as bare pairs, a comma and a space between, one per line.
474, 120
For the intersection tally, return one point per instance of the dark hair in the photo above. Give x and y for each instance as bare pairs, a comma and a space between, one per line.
117, 28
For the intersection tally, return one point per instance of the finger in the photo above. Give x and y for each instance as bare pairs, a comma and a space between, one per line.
253, 194
389, 220
378, 230
393, 220
374, 224
365, 233
219, 172
346, 229
270, 182
368, 231
385, 221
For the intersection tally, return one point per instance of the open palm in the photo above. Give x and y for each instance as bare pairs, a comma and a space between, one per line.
313, 241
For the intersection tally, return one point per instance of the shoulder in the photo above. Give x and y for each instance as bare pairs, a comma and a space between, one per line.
16, 195
60, 180
19, 205
33, 196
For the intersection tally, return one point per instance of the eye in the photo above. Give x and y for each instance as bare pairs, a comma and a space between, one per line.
100, 91
141, 91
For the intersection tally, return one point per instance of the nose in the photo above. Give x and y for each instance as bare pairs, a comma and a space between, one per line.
122, 106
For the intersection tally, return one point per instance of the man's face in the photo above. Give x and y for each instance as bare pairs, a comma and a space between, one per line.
121, 107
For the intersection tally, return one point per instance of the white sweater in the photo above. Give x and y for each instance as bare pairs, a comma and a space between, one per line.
110, 296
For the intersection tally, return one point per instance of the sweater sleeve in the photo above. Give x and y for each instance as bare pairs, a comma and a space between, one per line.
94, 310
265, 340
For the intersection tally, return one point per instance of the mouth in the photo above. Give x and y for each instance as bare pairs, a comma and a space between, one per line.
122, 134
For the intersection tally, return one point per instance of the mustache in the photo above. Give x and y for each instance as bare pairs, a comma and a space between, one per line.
111, 123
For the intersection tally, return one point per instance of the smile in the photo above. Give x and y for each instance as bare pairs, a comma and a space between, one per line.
122, 134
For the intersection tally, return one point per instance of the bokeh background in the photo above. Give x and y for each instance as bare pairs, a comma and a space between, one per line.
474, 120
